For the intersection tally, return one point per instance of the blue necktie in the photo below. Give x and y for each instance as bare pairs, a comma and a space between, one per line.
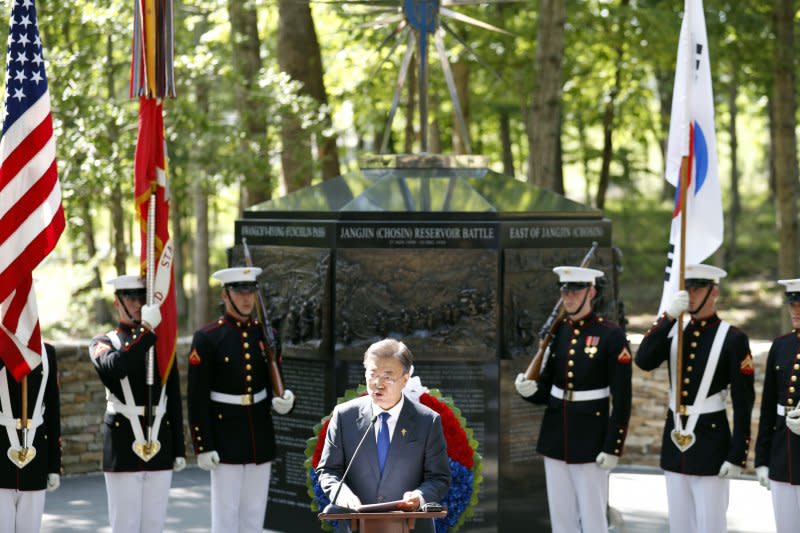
383, 441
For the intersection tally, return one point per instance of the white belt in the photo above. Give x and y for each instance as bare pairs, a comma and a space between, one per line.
114, 407
16, 423
239, 399
579, 395
712, 404
783, 408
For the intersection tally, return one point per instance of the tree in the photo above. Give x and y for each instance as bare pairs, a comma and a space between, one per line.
545, 114
299, 56
785, 139
246, 43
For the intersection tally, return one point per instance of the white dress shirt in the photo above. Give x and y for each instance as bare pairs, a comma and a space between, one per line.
394, 414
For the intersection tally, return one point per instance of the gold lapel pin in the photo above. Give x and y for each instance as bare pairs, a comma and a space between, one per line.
403, 432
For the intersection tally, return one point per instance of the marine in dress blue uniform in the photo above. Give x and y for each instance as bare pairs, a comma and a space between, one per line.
230, 395
23, 484
778, 443
137, 484
586, 385
699, 452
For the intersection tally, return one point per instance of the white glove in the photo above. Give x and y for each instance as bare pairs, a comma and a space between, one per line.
178, 464
679, 304
729, 470
283, 404
525, 387
347, 498
793, 421
151, 316
53, 482
606, 461
762, 473
208, 460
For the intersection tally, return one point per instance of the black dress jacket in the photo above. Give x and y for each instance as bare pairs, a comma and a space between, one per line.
776, 446
47, 441
585, 355
128, 360
714, 441
230, 357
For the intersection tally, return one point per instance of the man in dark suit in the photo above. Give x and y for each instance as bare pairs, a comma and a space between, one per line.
586, 386
230, 397
699, 453
407, 457
23, 479
778, 443
138, 477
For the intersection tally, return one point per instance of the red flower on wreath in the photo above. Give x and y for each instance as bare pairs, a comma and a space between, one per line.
458, 448
320, 443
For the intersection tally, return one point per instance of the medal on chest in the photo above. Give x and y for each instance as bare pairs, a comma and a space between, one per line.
590, 346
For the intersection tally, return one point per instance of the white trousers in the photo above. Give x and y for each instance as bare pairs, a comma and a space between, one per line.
786, 504
239, 497
21, 510
137, 501
577, 496
697, 504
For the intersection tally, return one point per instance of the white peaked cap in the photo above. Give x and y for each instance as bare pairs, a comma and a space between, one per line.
792, 285
237, 275
701, 271
126, 283
571, 274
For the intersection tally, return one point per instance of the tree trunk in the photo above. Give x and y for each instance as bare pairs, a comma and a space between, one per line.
505, 141
461, 79
544, 117
434, 129
664, 112
611, 105
257, 184
300, 57
411, 100
607, 153
179, 262
786, 186
735, 208
771, 147
583, 145
100, 311
117, 213
202, 307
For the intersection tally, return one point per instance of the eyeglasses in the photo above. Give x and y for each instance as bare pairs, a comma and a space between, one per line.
374, 378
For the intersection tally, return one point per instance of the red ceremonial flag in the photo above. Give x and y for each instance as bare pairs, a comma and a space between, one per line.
151, 175
31, 216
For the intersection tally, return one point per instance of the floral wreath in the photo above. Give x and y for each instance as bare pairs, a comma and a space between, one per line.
466, 464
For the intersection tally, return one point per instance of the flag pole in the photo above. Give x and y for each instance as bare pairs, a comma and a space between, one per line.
684, 184
24, 416
685, 170
150, 361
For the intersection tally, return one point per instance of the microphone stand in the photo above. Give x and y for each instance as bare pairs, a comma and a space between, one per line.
332, 507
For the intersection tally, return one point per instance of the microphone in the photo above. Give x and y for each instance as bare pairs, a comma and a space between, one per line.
332, 508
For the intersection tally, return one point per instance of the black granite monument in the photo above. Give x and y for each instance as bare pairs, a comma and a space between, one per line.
452, 258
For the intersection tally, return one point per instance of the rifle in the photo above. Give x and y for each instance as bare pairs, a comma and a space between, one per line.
272, 342
551, 324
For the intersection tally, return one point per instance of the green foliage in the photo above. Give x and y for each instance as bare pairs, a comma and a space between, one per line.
87, 49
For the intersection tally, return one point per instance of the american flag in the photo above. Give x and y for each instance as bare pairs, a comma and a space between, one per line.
31, 216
